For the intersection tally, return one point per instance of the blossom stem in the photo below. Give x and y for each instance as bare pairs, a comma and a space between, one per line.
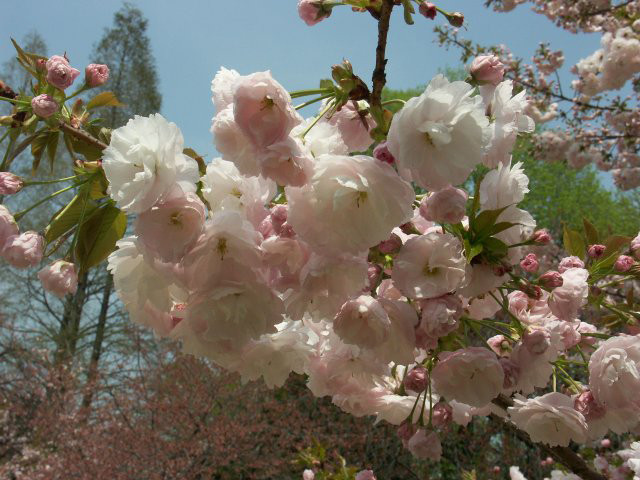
311, 102
47, 182
77, 92
395, 100
317, 119
21, 214
306, 93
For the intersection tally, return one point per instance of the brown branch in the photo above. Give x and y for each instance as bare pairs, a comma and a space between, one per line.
379, 78
82, 136
564, 455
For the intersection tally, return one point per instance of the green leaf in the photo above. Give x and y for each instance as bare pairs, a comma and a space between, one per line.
104, 99
590, 232
98, 236
495, 247
89, 152
408, 11
326, 83
68, 217
52, 146
501, 227
485, 221
474, 251
614, 243
37, 149
202, 166
573, 242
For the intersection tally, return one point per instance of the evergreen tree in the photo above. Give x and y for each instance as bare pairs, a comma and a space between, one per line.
125, 48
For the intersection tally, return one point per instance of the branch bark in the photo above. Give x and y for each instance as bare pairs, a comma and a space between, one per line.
564, 455
379, 77
82, 135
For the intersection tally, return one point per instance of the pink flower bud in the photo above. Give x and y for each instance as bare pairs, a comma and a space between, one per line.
530, 263
365, 475
496, 469
499, 344
605, 443
392, 245
313, 11
551, 279
308, 475
541, 237
518, 302
442, 415
59, 278
532, 291
536, 340
417, 379
59, 73
428, 10
425, 445
596, 251
586, 404
456, 19
635, 246
44, 105
570, 262
382, 153
373, 275
8, 225
24, 250
445, 206
623, 263
487, 69
10, 183
96, 74
406, 431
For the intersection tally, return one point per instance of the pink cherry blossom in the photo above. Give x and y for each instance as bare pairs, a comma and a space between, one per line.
24, 250
445, 206
8, 225
262, 109
172, 226
59, 278
623, 263
354, 126
549, 419
313, 11
530, 263
59, 73
362, 321
429, 266
570, 262
487, 69
565, 301
10, 183
96, 74
471, 375
44, 105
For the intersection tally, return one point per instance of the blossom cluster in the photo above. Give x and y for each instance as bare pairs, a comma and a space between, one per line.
296, 252
601, 112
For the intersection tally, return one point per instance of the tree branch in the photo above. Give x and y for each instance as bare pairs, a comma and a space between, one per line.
564, 455
379, 78
82, 136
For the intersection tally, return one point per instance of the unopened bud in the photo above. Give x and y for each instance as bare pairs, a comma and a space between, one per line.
551, 279
596, 251
623, 263
417, 379
530, 263
541, 237
456, 19
428, 10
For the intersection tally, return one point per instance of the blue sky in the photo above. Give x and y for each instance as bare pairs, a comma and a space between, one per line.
191, 39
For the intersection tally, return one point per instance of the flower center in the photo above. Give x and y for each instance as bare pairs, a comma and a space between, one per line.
361, 198
267, 103
429, 271
221, 248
